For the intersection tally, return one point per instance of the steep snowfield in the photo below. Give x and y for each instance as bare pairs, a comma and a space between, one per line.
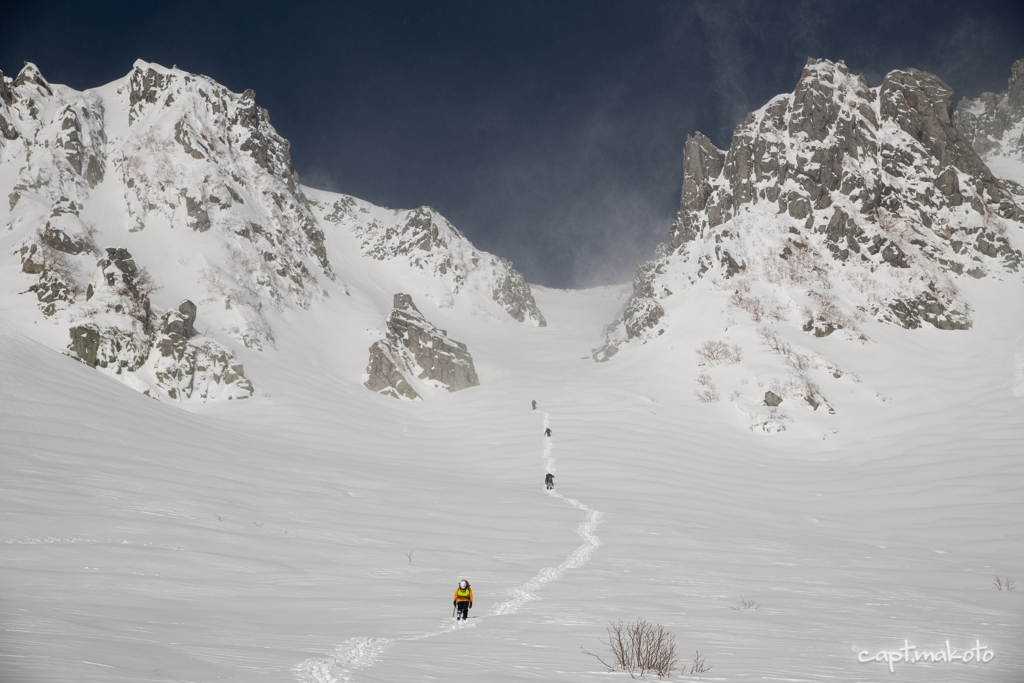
267, 540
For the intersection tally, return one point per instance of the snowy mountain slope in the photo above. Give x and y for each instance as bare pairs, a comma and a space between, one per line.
835, 206
146, 543
316, 531
993, 124
185, 196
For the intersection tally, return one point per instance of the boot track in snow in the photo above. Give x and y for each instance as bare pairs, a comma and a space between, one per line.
361, 653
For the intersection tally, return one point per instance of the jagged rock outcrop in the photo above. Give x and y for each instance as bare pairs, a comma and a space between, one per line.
993, 125
428, 242
861, 201
185, 367
115, 330
413, 347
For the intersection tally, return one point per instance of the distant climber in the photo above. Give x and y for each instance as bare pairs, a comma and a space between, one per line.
549, 481
535, 405
547, 432
463, 600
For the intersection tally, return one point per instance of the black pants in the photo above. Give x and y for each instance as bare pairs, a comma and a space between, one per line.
463, 608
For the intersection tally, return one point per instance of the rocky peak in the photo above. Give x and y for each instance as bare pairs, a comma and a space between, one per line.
827, 186
30, 75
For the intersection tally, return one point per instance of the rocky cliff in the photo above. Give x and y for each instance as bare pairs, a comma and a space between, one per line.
993, 125
860, 202
414, 348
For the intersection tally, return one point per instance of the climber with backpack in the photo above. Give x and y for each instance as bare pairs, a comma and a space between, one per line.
463, 600
547, 432
549, 481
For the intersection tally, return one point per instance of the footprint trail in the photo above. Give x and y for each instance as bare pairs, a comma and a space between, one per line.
361, 653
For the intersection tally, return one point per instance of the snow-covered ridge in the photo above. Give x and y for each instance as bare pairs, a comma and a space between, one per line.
425, 240
860, 202
163, 188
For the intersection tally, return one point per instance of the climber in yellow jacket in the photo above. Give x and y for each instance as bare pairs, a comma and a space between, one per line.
463, 599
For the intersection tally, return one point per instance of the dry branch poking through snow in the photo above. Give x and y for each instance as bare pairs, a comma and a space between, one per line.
708, 394
770, 339
744, 604
1001, 584
699, 665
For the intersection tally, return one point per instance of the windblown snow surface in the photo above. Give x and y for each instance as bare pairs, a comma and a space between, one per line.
316, 532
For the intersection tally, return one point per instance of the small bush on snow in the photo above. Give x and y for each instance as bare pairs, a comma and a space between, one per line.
639, 648
1001, 584
719, 353
774, 342
708, 393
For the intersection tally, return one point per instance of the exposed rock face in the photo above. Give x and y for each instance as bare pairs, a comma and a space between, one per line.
187, 368
415, 348
837, 187
119, 334
771, 399
993, 125
428, 242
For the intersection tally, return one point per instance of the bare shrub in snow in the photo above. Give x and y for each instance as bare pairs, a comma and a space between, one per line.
1001, 584
91, 233
752, 305
151, 142
900, 231
799, 382
132, 164
718, 353
774, 342
708, 393
828, 316
758, 307
949, 289
800, 363
994, 223
244, 295
145, 284
639, 648
59, 264
698, 666
745, 604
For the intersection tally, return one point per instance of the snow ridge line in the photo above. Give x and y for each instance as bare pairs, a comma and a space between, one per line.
361, 653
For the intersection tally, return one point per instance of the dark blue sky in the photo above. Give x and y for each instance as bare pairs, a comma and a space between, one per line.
550, 132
